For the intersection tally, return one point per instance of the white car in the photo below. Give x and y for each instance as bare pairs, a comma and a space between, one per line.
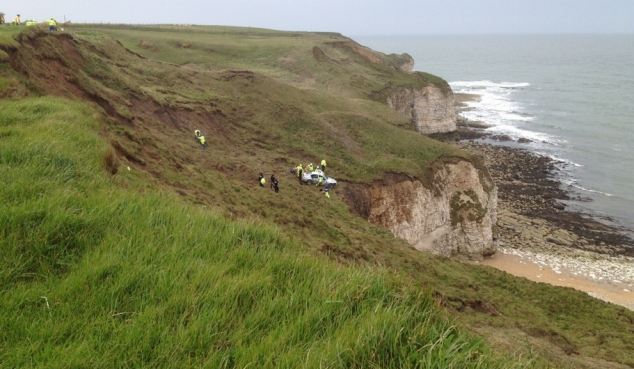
318, 177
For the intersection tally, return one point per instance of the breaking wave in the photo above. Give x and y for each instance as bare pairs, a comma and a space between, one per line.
495, 106
489, 84
573, 183
561, 160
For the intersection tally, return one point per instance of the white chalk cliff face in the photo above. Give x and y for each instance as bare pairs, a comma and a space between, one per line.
454, 216
408, 63
431, 109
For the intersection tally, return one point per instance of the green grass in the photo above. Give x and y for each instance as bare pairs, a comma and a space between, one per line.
163, 217
97, 274
7, 35
10, 84
285, 56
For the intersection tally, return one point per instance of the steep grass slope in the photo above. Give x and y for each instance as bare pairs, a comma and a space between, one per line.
261, 119
328, 62
95, 275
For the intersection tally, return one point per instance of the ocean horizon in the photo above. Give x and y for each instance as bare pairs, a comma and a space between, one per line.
569, 94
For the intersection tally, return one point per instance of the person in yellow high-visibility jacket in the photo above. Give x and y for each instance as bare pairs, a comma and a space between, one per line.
323, 165
326, 190
52, 25
320, 180
16, 21
300, 172
262, 180
200, 138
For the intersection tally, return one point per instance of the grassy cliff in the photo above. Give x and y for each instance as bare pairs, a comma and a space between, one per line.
95, 274
181, 260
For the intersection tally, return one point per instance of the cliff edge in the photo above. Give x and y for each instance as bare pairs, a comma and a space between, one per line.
430, 108
97, 143
451, 213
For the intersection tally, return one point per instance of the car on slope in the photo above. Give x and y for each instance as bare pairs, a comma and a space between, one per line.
318, 177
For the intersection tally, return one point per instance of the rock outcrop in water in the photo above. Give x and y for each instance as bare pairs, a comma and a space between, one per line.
451, 213
431, 109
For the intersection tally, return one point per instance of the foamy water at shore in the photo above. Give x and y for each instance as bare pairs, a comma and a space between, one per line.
570, 95
493, 105
496, 107
567, 98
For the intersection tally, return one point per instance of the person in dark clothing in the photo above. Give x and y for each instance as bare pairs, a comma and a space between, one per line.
275, 184
326, 189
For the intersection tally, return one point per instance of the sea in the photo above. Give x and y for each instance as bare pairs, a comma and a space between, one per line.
571, 95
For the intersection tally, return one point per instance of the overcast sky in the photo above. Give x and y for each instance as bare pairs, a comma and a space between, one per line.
352, 17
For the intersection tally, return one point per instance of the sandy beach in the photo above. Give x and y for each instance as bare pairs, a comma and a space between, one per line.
542, 268
540, 234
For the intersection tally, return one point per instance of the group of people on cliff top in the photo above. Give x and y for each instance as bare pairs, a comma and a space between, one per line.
17, 21
320, 172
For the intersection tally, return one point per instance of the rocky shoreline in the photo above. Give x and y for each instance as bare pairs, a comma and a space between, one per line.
534, 219
534, 224
532, 204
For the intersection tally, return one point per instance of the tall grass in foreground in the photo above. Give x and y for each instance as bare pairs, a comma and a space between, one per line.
94, 274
